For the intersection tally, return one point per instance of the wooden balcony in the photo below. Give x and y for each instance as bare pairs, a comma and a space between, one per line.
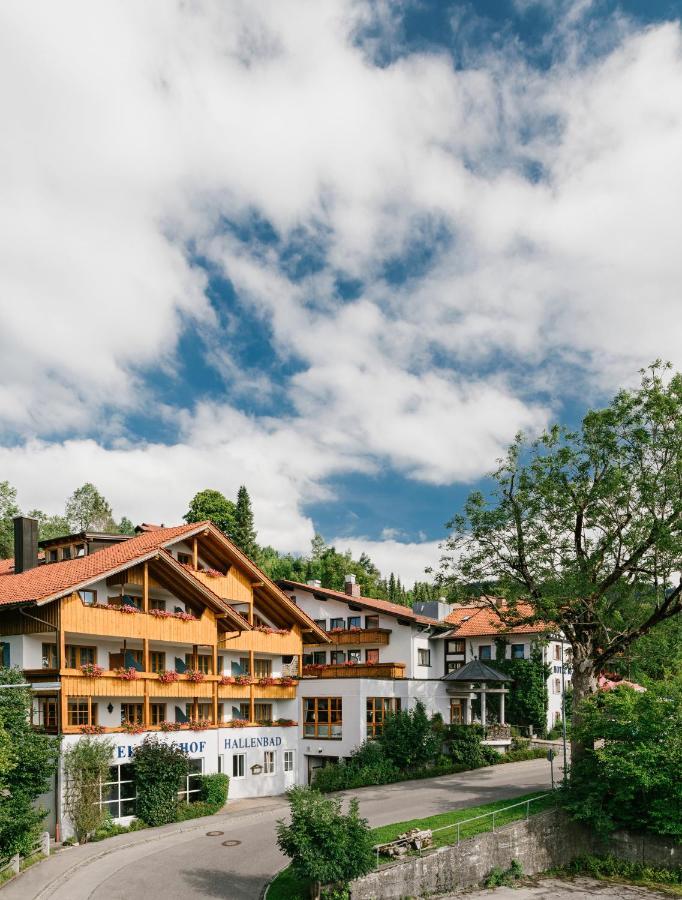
288, 643
274, 691
359, 670
356, 636
75, 684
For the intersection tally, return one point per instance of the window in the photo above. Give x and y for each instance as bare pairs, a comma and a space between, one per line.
371, 621
288, 760
338, 657
517, 651
203, 662
45, 713
133, 658
354, 656
307, 659
52, 555
66, 552
372, 656
88, 598
157, 661
81, 711
157, 712
80, 549
452, 666
239, 765
269, 762
423, 657
79, 656
320, 658
377, 710
157, 603
556, 689
203, 711
321, 623
244, 667
263, 712
131, 600
49, 656
485, 651
456, 646
336, 623
262, 668
557, 717
117, 795
245, 711
191, 789
132, 712
557, 652
185, 559
456, 712
322, 717
354, 621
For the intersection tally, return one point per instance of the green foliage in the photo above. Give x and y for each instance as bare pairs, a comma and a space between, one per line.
244, 534
50, 526
465, 748
111, 829
215, 507
586, 524
366, 765
407, 738
158, 771
86, 766
323, 844
196, 810
28, 767
214, 788
125, 526
528, 700
630, 778
8, 510
88, 510
505, 877
612, 867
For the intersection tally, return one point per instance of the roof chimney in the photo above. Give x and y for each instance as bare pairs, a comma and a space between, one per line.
350, 586
25, 544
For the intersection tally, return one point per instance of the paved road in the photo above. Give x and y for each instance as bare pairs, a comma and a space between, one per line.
180, 862
555, 889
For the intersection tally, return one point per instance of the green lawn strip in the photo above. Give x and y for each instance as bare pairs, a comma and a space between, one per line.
449, 836
287, 887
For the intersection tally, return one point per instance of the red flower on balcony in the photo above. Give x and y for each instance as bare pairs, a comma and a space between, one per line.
194, 675
161, 614
91, 670
185, 617
91, 729
129, 674
170, 726
243, 679
212, 573
287, 681
128, 608
132, 727
168, 676
237, 723
267, 681
285, 723
200, 724
226, 679
351, 662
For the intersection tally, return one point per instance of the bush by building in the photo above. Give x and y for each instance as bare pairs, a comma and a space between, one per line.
158, 771
86, 767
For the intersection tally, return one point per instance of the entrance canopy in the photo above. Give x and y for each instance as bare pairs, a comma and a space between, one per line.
475, 678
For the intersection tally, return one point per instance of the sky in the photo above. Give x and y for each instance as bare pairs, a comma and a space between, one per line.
339, 252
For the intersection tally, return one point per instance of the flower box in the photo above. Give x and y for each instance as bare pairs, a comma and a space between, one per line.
243, 679
132, 727
170, 726
129, 674
237, 723
168, 676
194, 675
92, 670
128, 608
91, 729
285, 723
200, 724
227, 679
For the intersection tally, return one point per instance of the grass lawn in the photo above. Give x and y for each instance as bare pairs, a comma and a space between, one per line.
287, 887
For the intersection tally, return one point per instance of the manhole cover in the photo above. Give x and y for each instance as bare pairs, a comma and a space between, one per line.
215, 833
231, 843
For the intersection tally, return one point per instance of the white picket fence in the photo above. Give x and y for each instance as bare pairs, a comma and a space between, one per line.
13, 863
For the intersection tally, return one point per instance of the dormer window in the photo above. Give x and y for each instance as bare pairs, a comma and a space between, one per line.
66, 552
52, 556
185, 559
80, 549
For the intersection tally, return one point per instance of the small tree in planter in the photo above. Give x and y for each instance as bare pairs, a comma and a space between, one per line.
325, 846
86, 766
158, 770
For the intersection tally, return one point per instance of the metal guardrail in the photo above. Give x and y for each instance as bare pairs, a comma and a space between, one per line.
13, 863
458, 825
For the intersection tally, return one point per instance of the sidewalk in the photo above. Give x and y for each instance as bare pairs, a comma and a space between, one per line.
40, 879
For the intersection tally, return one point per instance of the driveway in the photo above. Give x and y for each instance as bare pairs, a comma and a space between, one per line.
182, 862
556, 889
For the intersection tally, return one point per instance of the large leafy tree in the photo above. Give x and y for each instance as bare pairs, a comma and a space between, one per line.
8, 510
212, 506
244, 534
50, 526
586, 525
87, 509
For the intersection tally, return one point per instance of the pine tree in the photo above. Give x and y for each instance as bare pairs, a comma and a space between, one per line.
391, 588
244, 530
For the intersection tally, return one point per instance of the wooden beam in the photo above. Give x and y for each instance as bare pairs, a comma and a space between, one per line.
195, 553
252, 690
145, 588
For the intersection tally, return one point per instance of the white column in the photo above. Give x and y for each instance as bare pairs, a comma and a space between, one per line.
502, 708
483, 722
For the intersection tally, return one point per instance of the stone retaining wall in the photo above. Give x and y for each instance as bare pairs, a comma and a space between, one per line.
544, 841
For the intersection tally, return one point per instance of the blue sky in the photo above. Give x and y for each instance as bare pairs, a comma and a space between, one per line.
339, 252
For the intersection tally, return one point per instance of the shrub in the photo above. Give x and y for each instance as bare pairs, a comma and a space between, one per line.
407, 738
325, 846
214, 789
465, 748
86, 765
196, 810
158, 769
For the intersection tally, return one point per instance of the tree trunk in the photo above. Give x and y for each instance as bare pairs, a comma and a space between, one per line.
315, 890
584, 683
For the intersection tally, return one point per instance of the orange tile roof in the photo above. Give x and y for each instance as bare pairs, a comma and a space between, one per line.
391, 609
484, 620
55, 579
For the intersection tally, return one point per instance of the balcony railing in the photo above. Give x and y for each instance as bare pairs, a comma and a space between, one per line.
375, 636
357, 670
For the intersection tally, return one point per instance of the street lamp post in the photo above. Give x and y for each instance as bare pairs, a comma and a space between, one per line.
563, 708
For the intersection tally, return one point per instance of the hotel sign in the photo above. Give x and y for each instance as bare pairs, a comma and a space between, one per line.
247, 743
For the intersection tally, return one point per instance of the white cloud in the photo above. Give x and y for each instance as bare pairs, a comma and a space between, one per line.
407, 559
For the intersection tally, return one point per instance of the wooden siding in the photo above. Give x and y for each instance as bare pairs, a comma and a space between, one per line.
374, 636
13, 622
136, 576
80, 619
234, 691
360, 670
235, 586
274, 692
289, 644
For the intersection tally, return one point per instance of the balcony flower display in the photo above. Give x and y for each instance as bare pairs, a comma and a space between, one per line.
161, 614
265, 723
128, 608
195, 675
92, 670
185, 616
243, 679
237, 723
266, 629
170, 726
287, 681
91, 729
200, 724
132, 727
351, 662
267, 680
129, 674
168, 676
212, 573
285, 723
226, 679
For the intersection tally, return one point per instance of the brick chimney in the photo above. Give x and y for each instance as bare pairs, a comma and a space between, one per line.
25, 544
351, 587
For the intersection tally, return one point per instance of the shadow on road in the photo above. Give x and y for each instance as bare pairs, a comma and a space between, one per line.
218, 883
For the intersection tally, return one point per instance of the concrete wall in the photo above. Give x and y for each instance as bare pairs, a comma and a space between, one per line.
544, 841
